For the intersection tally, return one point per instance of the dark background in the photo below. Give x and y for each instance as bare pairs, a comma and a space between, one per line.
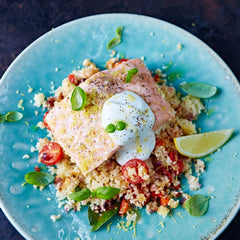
216, 22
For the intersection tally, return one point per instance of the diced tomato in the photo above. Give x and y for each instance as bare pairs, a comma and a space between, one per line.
130, 170
72, 79
51, 153
164, 200
156, 78
172, 156
160, 142
50, 102
177, 161
123, 207
44, 121
180, 167
121, 61
37, 169
155, 195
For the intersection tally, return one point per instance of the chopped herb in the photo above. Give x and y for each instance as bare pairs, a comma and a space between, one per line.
130, 74
208, 159
120, 125
115, 41
197, 205
34, 128
78, 99
167, 66
96, 220
13, 116
110, 128
174, 75
121, 55
81, 195
39, 178
210, 111
201, 90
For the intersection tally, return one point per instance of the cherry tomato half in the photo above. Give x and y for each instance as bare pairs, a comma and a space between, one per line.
51, 154
130, 170
123, 207
44, 121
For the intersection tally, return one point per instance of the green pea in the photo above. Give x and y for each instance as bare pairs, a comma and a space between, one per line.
110, 128
120, 125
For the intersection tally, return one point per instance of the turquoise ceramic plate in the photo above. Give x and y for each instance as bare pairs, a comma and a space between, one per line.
51, 58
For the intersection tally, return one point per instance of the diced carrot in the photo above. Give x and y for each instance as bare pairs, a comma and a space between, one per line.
123, 207
164, 201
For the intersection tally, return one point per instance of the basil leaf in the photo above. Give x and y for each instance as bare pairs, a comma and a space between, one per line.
201, 90
113, 43
197, 205
119, 32
2, 118
130, 74
39, 178
106, 192
81, 195
13, 116
96, 220
78, 99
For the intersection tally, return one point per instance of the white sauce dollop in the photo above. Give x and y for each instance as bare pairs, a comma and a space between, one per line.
137, 139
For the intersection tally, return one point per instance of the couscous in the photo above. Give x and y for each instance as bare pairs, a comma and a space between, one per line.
153, 182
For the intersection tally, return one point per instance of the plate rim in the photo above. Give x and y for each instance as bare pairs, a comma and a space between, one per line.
235, 208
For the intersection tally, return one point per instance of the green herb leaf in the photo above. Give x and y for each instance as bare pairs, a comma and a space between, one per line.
121, 55
81, 195
78, 99
96, 220
119, 32
13, 116
115, 41
34, 128
175, 75
110, 128
130, 74
197, 205
201, 90
2, 118
120, 125
106, 192
39, 178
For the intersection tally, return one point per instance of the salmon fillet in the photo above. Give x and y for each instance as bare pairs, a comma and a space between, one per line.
80, 133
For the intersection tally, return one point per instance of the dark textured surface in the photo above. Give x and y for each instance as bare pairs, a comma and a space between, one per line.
216, 22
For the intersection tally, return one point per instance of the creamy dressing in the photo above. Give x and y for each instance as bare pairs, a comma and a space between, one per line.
137, 140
